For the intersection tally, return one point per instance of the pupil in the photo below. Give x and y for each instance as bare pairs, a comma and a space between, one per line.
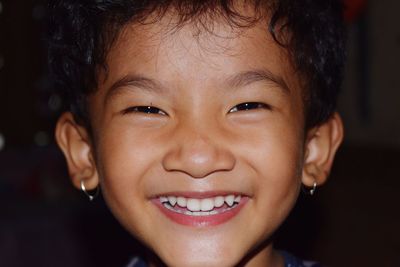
149, 109
247, 106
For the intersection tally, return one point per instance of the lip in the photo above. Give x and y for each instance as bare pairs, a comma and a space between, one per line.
199, 195
201, 221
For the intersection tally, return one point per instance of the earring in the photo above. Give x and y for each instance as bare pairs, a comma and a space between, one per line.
310, 191
91, 197
313, 189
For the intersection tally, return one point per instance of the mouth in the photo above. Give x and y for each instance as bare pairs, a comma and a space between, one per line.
201, 212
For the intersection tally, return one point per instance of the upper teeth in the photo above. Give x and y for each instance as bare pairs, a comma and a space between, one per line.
205, 204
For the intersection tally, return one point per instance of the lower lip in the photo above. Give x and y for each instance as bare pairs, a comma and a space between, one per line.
201, 221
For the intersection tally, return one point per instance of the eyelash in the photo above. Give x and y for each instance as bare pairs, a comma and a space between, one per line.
145, 109
249, 106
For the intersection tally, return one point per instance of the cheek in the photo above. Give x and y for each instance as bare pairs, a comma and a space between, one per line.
123, 148
274, 149
125, 156
275, 156
280, 161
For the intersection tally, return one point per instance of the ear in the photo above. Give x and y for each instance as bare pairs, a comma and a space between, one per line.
321, 146
74, 142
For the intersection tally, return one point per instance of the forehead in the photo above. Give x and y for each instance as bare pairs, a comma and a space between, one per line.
197, 52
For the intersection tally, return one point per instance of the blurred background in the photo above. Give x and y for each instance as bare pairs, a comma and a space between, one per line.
352, 221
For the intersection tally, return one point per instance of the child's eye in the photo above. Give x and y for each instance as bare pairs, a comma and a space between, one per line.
145, 109
248, 106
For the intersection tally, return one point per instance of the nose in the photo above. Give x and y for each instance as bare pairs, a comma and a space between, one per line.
198, 153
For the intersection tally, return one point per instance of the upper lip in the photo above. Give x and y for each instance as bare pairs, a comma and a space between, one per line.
199, 195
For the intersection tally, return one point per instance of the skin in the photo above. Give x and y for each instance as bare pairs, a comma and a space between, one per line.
198, 139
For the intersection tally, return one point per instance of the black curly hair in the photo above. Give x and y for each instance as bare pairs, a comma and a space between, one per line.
81, 32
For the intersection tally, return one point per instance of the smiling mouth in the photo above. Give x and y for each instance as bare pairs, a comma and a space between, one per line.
201, 212
200, 207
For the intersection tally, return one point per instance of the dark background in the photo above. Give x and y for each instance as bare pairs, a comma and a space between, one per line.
352, 221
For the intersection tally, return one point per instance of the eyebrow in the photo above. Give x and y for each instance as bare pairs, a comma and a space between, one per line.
137, 81
235, 81
247, 77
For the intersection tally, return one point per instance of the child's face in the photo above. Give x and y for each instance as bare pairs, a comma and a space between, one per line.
199, 141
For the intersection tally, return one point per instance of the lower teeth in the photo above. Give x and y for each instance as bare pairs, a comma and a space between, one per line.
196, 213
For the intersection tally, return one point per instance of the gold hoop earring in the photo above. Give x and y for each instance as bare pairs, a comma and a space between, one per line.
91, 197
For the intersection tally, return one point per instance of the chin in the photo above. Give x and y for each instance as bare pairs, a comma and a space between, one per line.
199, 261
200, 255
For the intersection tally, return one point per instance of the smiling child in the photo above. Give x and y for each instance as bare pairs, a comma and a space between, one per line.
199, 120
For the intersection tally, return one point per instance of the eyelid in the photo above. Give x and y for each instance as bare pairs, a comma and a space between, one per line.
260, 106
135, 109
